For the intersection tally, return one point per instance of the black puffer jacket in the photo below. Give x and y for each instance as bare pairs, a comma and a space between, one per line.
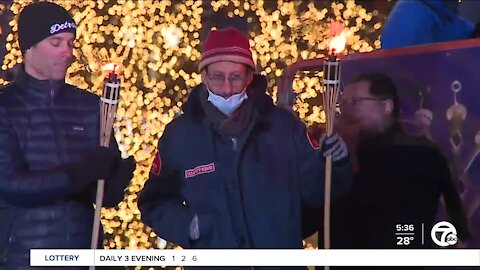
43, 126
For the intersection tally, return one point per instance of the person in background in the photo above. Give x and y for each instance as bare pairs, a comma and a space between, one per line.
50, 158
470, 10
398, 179
417, 22
234, 169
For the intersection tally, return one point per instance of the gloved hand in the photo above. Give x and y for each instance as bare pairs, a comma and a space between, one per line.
194, 232
122, 174
96, 165
200, 226
335, 146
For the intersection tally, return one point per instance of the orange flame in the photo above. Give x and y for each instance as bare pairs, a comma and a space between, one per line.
110, 67
339, 38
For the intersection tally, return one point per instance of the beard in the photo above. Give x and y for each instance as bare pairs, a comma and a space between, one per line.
368, 133
348, 129
356, 132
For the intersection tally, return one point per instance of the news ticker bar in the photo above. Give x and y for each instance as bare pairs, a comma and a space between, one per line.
255, 257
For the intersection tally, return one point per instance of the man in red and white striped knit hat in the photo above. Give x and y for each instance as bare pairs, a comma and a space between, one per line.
233, 170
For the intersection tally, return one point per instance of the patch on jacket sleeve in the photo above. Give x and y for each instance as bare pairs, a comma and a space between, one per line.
157, 164
207, 168
313, 141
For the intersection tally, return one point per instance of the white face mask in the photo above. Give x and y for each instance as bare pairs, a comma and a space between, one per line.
229, 105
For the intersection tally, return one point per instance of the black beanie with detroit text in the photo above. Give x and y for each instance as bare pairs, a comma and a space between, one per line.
41, 20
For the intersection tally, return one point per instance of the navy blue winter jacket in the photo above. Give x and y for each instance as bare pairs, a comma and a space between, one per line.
417, 22
246, 192
44, 125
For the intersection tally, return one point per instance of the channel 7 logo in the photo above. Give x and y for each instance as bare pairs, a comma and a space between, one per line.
444, 234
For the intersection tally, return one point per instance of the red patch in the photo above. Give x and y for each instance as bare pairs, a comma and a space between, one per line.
208, 168
313, 141
157, 164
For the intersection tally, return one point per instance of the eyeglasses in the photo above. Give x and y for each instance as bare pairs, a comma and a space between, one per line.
356, 101
218, 80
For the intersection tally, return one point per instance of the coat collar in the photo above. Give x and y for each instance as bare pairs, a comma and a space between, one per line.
38, 89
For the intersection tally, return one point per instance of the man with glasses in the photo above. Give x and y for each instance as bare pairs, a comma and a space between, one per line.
398, 179
233, 170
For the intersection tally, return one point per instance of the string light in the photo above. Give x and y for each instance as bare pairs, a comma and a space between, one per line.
157, 44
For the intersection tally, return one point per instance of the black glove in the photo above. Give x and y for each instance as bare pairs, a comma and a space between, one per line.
335, 146
119, 180
96, 165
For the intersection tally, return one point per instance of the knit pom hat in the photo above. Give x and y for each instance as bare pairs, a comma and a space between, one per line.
227, 44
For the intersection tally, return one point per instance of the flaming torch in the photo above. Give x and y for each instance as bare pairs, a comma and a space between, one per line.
108, 107
331, 91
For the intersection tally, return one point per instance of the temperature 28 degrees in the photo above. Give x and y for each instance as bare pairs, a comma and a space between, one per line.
404, 240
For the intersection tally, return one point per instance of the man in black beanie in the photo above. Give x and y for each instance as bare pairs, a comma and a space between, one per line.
46, 33
50, 158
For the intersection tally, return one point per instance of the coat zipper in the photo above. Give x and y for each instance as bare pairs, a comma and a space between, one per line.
59, 153
235, 143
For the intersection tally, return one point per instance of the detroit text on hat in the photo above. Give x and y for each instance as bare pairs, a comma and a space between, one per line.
57, 27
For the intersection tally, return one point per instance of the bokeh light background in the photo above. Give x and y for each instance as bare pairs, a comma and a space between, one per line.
158, 45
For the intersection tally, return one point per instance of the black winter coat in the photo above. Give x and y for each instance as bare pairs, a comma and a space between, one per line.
247, 191
44, 125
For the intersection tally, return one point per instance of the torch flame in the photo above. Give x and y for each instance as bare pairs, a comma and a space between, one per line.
339, 39
110, 67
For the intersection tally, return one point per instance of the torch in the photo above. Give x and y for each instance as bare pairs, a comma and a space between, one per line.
108, 107
330, 93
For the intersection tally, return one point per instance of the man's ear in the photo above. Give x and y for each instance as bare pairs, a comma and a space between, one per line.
204, 75
249, 77
388, 106
26, 54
